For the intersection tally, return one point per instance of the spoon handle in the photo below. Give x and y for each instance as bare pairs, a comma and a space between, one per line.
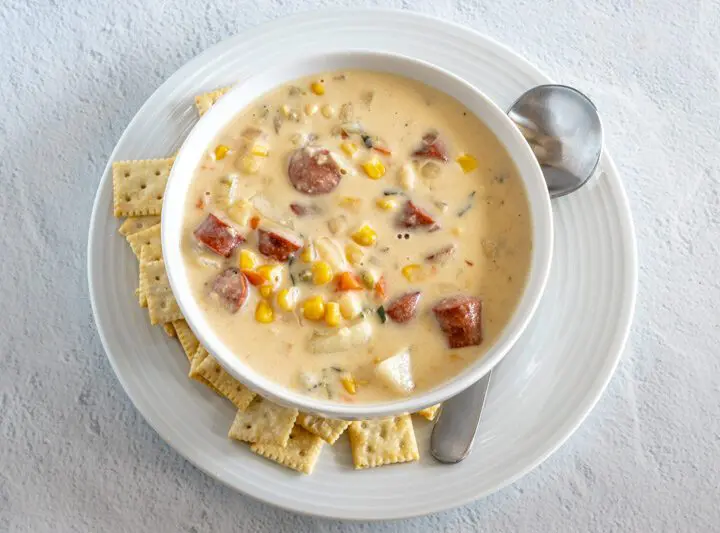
456, 426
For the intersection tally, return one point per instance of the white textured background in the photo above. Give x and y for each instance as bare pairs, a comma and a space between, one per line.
72, 75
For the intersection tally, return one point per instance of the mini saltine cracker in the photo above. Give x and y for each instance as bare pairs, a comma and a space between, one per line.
301, 453
328, 429
205, 101
187, 338
148, 238
135, 224
383, 442
223, 383
139, 186
429, 412
169, 329
161, 302
197, 358
146, 253
263, 422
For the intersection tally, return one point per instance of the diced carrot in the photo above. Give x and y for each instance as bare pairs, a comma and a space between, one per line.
382, 150
255, 222
381, 288
200, 204
348, 282
253, 277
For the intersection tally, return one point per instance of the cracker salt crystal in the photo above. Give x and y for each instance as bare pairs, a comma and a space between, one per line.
263, 422
301, 453
382, 442
161, 302
328, 429
205, 101
205, 367
135, 224
139, 186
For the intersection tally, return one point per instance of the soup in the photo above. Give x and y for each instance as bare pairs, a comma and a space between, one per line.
357, 236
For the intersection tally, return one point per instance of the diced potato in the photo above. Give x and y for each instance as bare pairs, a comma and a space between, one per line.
344, 339
249, 164
330, 251
350, 305
337, 224
327, 111
240, 212
354, 253
407, 177
396, 371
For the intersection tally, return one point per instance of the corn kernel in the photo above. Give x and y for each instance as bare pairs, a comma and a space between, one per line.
314, 308
322, 273
412, 272
365, 236
249, 164
386, 204
467, 162
248, 260
287, 298
349, 148
328, 111
350, 305
260, 150
271, 273
266, 291
348, 383
332, 314
221, 151
374, 169
311, 109
351, 203
354, 254
318, 88
264, 313
307, 255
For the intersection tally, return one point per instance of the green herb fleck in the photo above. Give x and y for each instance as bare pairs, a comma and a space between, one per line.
381, 314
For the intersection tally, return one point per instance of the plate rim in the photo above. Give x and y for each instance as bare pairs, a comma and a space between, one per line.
565, 431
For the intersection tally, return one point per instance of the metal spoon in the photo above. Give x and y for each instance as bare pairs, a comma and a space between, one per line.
564, 131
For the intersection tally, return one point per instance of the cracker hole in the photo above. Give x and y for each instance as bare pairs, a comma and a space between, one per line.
157, 278
248, 426
302, 453
127, 198
159, 196
127, 174
143, 186
157, 172
364, 425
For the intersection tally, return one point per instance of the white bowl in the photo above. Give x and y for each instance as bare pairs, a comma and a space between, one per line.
215, 120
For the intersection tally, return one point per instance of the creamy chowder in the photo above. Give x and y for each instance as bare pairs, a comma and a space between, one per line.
358, 236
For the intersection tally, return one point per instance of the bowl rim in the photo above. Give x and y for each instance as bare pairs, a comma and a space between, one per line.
226, 108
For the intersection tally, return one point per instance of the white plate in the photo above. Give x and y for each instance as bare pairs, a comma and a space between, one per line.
542, 390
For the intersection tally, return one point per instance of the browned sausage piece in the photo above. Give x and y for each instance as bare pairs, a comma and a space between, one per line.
402, 309
442, 256
302, 210
413, 216
313, 171
432, 147
460, 318
231, 286
276, 245
218, 236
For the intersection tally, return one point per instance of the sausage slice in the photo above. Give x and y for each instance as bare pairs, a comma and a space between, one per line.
460, 318
432, 147
231, 286
276, 245
402, 309
218, 236
313, 171
413, 216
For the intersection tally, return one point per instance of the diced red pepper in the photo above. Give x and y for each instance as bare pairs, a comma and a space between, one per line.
253, 277
432, 148
381, 288
254, 222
